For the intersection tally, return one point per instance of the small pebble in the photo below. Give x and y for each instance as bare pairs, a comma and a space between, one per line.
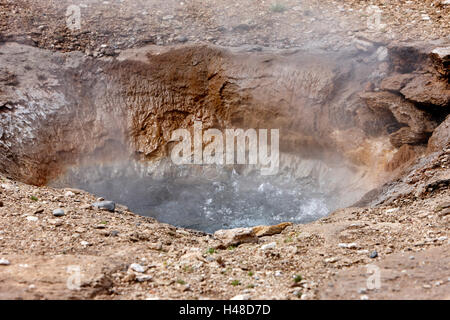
269, 246
105, 205
143, 278
4, 262
137, 267
58, 212
69, 194
373, 255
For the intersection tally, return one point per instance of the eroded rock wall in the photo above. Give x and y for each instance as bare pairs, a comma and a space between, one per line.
59, 108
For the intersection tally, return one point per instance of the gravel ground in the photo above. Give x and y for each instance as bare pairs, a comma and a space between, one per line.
120, 255
110, 26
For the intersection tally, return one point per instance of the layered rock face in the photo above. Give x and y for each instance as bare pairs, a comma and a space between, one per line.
360, 106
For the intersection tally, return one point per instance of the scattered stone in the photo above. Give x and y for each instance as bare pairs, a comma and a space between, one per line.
234, 237
105, 205
262, 231
364, 297
442, 238
181, 39
38, 211
69, 194
58, 212
33, 219
241, 297
114, 233
362, 290
269, 246
348, 245
168, 17
4, 262
331, 260
143, 278
85, 243
55, 222
373, 255
137, 267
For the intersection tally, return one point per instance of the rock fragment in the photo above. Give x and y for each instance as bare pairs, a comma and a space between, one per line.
58, 212
262, 231
137, 267
105, 205
234, 237
269, 246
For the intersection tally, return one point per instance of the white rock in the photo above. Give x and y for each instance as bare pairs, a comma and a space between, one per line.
4, 262
352, 245
143, 278
269, 246
442, 238
33, 219
69, 194
137, 267
241, 297
382, 53
85, 243
348, 245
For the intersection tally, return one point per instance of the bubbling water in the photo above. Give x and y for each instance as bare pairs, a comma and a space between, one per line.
205, 198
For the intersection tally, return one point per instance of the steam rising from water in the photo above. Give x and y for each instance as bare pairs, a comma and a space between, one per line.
205, 198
